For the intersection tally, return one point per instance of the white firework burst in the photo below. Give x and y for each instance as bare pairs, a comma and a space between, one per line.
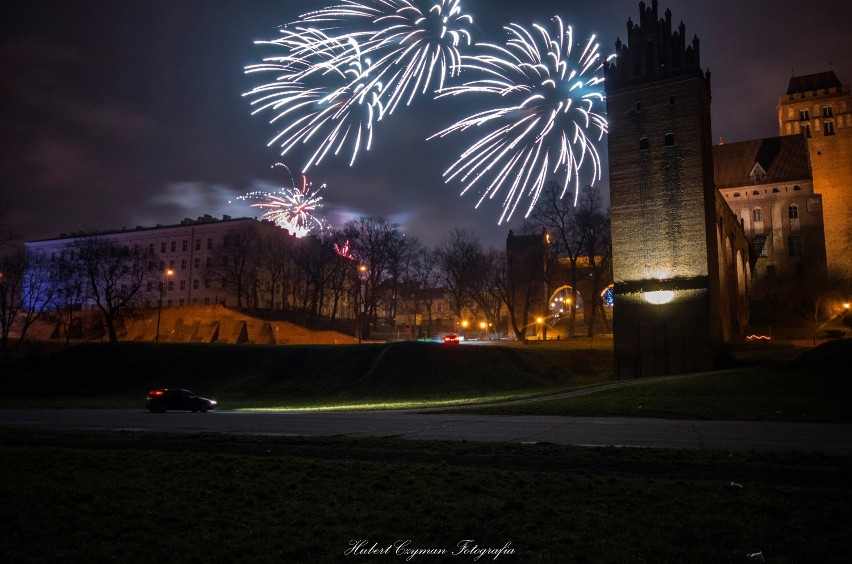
546, 120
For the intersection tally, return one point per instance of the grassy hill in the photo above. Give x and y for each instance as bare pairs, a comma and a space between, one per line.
405, 373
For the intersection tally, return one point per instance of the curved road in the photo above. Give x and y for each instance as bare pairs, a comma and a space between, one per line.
587, 431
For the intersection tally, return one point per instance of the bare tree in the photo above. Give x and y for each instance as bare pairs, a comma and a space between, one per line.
28, 287
593, 225
555, 212
12, 273
239, 264
371, 242
516, 290
115, 275
458, 255
484, 289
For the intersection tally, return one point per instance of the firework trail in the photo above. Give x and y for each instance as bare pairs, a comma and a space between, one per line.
547, 120
414, 45
291, 208
348, 65
321, 91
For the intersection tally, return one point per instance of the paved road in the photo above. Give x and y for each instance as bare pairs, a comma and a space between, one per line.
598, 431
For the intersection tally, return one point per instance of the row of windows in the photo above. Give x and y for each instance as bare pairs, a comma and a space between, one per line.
184, 245
827, 129
668, 140
792, 211
813, 93
774, 191
183, 263
196, 285
794, 246
805, 115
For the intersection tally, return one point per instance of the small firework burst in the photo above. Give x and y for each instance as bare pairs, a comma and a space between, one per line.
291, 208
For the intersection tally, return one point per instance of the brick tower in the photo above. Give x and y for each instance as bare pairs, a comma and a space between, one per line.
664, 240
819, 107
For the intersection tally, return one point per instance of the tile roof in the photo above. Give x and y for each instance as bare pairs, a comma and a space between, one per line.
784, 159
811, 82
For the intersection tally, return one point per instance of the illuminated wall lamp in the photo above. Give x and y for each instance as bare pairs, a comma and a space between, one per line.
658, 297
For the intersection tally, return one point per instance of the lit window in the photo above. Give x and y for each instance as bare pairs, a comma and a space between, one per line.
759, 246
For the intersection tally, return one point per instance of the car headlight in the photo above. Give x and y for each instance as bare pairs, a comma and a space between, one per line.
212, 402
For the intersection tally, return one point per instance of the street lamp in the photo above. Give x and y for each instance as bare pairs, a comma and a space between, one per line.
166, 273
362, 269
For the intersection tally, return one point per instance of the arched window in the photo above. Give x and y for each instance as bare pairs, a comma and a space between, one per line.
644, 144
669, 139
794, 211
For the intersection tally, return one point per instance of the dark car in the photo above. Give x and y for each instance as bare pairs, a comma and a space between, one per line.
451, 338
163, 399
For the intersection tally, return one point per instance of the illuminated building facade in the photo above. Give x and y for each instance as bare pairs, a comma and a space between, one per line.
768, 185
680, 257
190, 250
819, 108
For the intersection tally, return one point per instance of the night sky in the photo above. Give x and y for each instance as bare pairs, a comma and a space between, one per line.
122, 113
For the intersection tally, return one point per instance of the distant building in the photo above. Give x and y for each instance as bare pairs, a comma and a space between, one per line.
819, 108
768, 185
190, 250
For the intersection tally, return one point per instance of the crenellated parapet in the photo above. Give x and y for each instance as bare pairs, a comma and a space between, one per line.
653, 51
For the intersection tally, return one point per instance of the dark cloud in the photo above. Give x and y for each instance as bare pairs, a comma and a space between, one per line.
123, 113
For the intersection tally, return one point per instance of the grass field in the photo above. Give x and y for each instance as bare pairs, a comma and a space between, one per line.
773, 383
372, 375
145, 497
149, 497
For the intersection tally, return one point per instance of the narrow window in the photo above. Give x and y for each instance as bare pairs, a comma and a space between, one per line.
209, 243
644, 144
174, 246
806, 130
829, 128
671, 100
195, 284
758, 215
794, 244
638, 107
794, 211
184, 245
669, 140
827, 111
198, 244
183, 264
162, 247
804, 115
